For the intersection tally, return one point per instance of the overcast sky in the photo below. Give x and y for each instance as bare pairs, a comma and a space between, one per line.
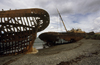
84, 14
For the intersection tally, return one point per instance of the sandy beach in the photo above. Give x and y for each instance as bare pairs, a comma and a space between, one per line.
83, 52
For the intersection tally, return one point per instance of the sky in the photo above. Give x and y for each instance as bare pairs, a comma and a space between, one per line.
83, 14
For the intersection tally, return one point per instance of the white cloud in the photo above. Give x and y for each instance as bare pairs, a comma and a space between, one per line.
97, 21
96, 24
84, 14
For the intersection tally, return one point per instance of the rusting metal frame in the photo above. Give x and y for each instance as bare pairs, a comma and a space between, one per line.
5, 41
22, 33
14, 26
19, 28
2, 23
30, 21
14, 35
11, 42
34, 21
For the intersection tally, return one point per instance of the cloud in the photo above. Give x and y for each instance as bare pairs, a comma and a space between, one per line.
69, 6
84, 14
97, 21
96, 24
17, 4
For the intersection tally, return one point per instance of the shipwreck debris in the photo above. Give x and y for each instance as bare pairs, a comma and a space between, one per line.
52, 37
18, 29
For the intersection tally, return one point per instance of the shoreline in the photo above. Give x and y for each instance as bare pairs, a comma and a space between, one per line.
56, 54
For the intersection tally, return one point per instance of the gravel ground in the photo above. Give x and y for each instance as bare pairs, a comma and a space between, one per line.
93, 60
84, 51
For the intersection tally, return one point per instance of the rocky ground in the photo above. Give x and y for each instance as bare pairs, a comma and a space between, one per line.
83, 52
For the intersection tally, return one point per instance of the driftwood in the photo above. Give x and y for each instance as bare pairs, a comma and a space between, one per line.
18, 29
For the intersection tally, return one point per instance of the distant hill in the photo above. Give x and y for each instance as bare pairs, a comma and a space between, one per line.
97, 33
37, 40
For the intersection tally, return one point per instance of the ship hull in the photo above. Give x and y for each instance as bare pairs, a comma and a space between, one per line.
18, 29
52, 37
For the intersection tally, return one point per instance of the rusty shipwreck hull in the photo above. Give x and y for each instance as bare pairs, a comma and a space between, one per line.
71, 36
18, 29
52, 37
